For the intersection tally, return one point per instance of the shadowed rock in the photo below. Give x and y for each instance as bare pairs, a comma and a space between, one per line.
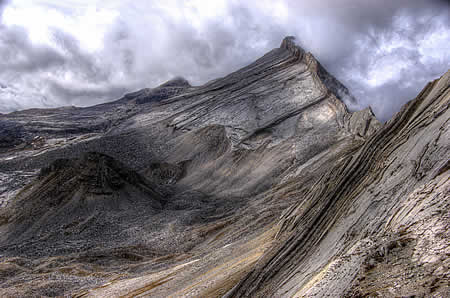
79, 199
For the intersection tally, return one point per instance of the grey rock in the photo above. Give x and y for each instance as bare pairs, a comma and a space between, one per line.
261, 183
374, 194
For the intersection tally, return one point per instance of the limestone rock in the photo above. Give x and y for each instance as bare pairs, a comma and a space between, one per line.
357, 211
257, 184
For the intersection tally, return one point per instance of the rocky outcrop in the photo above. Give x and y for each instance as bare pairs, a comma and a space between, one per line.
260, 183
73, 200
363, 123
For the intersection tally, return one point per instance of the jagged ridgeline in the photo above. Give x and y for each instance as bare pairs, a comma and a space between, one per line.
258, 184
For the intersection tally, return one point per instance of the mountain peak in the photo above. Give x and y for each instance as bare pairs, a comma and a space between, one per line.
289, 44
337, 88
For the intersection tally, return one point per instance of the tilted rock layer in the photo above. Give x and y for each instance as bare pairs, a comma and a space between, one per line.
258, 184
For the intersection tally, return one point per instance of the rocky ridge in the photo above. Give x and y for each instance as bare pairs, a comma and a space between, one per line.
261, 183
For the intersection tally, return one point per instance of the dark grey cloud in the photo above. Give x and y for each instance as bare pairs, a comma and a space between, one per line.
384, 51
2, 5
20, 55
87, 93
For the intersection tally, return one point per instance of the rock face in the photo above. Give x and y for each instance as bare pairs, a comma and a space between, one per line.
260, 183
386, 202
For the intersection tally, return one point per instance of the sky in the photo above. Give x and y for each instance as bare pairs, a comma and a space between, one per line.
84, 52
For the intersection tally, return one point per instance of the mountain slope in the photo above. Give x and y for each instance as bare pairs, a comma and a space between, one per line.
260, 183
378, 203
80, 199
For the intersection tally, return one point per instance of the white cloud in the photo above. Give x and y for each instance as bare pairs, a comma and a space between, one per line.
88, 23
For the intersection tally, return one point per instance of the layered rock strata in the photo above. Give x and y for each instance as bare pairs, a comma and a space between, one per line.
261, 183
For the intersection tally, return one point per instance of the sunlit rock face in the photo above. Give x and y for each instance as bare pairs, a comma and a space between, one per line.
260, 183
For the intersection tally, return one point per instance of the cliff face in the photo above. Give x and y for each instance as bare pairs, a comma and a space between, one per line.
260, 183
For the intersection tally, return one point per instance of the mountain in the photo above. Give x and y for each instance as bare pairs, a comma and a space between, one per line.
72, 200
261, 183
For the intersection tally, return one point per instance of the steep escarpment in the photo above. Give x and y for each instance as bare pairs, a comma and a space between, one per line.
260, 183
365, 211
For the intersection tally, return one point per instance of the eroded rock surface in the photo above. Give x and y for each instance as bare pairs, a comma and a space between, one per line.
261, 183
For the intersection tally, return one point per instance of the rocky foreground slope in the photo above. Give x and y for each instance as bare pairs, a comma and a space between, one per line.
258, 184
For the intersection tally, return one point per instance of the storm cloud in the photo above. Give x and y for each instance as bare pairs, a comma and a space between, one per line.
55, 53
